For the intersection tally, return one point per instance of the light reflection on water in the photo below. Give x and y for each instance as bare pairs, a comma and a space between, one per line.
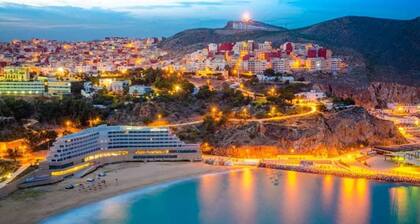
250, 196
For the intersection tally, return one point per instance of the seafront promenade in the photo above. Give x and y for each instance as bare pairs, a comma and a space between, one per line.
344, 166
388, 176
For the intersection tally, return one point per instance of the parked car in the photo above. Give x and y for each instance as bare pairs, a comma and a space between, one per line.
101, 174
68, 187
90, 180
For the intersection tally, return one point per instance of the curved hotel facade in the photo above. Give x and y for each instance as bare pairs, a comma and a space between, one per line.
107, 144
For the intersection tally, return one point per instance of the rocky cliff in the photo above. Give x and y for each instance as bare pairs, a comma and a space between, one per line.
376, 94
320, 133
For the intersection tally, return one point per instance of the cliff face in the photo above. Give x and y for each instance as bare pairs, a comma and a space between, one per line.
377, 94
320, 134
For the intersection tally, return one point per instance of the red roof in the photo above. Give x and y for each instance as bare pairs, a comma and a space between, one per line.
312, 53
225, 47
322, 53
289, 47
246, 57
275, 54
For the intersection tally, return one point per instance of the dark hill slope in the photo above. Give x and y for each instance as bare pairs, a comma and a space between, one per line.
389, 48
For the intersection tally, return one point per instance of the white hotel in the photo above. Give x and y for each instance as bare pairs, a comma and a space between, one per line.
108, 144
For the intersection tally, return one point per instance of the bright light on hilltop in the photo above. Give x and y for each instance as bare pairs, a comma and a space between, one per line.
246, 17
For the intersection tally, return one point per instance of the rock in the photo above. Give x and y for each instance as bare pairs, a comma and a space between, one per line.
331, 133
376, 94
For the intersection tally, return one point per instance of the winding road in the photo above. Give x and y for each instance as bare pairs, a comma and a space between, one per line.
277, 118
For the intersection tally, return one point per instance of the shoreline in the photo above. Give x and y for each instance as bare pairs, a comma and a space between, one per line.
36, 204
343, 174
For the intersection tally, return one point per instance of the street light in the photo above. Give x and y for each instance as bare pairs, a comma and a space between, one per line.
273, 111
177, 88
272, 91
213, 109
68, 124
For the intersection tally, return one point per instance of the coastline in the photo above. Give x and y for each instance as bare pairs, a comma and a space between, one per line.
375, 177
35, 204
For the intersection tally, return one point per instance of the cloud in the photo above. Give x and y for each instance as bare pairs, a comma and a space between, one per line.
65, 18
115, 5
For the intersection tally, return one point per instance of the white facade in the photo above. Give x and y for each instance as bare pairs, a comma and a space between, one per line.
22, 88
212, 47
280, 65
312, 95
58, 88
136, 90
104, 144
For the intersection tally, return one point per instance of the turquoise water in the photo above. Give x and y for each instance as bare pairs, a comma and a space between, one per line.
251, 196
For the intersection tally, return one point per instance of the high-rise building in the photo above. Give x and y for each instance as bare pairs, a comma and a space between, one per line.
106, 144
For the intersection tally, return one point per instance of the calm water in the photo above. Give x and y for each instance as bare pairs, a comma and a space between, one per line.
250, 196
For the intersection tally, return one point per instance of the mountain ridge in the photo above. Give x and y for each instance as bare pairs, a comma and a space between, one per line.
389, 48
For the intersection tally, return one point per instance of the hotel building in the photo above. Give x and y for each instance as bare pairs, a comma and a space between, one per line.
58, 88
22, 88
108, 144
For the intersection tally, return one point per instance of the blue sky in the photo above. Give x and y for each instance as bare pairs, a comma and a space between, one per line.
95, 19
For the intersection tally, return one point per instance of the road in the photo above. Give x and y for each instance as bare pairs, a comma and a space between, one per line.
277, 118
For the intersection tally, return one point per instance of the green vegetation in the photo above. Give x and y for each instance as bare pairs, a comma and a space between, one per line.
53, 110
17, 108
7, 167
344, 102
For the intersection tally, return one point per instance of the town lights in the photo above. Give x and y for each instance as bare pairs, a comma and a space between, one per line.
68, 123
177, 88
272, 91
273, 111
159, 116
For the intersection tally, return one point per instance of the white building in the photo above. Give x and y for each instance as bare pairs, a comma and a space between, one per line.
313, 95
137, 90
22, 88
118, 87
281, 65
212, 47
106, 144
335, 64
58, 88
16, 74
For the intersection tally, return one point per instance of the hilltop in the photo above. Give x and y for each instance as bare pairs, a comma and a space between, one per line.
388, 50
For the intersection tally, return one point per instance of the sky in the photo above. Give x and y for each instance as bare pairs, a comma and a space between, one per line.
74, 20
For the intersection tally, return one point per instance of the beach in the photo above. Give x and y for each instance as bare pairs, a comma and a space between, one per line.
33, 204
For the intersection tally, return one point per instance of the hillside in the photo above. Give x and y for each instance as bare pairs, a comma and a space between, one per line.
331, 133
389, 49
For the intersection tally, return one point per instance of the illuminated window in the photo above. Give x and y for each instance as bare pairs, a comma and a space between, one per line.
142, 152
105, 155
71, 170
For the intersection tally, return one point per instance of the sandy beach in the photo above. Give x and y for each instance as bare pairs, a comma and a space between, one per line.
32, 205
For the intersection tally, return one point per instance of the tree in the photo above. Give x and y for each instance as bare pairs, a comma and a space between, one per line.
205, 92
19, 108
269, 72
